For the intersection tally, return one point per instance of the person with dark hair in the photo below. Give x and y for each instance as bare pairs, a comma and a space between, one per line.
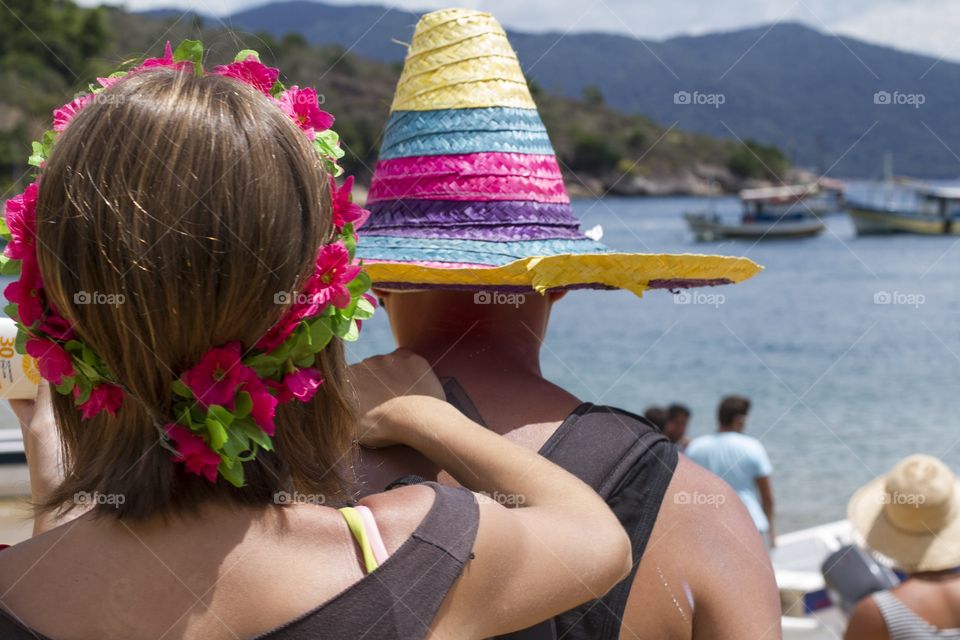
656, 415
741, 460
675, 425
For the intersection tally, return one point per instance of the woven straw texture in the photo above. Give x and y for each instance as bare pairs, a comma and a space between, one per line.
468, 194
460, 59
493, 253
633, 272
458, 131
477, 176
427, 214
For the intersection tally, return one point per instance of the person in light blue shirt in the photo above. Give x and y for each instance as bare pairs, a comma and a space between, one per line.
740, 460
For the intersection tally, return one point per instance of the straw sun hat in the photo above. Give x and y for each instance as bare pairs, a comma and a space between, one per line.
468, 194
911, 515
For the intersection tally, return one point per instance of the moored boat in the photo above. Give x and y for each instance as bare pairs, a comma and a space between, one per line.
924, 210
786, 212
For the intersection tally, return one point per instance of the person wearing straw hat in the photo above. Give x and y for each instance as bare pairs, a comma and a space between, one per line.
910, 518
469, 242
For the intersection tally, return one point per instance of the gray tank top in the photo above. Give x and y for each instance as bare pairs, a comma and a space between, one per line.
397, 601
903, 624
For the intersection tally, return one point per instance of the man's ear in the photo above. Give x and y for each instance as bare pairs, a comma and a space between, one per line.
382, 296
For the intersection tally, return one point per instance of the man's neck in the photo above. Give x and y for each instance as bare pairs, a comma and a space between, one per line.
474, 352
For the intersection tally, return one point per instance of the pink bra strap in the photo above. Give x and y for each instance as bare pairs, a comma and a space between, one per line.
373, 534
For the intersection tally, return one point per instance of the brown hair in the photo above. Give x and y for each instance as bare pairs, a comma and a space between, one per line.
731, 408
193, 202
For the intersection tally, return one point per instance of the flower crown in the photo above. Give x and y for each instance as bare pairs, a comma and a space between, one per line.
224, 406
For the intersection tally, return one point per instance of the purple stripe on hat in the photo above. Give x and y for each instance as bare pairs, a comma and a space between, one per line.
448, 213
490, 232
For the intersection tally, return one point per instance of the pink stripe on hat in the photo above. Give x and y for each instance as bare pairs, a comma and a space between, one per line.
473, 176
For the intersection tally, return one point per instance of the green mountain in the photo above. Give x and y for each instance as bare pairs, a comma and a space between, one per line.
599, 147
810, 93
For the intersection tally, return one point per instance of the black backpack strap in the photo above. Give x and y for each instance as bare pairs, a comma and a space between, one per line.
629, 462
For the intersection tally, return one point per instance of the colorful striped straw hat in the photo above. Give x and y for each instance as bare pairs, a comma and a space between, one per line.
467, 193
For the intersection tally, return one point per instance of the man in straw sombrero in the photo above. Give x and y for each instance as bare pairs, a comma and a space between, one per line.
468, 207
910, 519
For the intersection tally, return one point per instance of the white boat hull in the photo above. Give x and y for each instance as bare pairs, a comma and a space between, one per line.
706, 229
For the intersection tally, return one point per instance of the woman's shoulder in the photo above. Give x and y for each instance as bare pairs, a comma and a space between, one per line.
402, 512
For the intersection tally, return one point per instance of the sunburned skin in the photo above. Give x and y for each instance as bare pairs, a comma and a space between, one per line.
705, 572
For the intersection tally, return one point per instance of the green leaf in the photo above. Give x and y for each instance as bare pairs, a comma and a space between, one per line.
232, 473
221, 414
9, 267
353, 332
246, 53
181, 389
217, 432
320, 334
86, 370
256, 434
237, 443
306, 361
11, 310
89, 357
244, 405
190, 51
185, 417
360, 284
5, 231
20, 343
265, 365
365, 309
65, 387
36, 157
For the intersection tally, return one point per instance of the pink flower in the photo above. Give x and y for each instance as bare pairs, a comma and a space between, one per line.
303, 107
252, 72
54, 362
25, 292
103, 397
280, 390
344, 210
218, 376
327, 285
106, 83
66, 113
333, 273
20, 213
303, 383
165, 62
264, 402
198, 458
56, 326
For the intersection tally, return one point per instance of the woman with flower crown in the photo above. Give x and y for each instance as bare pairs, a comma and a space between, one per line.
196, 431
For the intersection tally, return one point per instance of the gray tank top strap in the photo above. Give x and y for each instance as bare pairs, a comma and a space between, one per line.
904, 624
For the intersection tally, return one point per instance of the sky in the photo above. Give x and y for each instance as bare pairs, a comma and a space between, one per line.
924, 26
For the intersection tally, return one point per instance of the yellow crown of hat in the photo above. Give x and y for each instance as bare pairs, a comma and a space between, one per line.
461, 59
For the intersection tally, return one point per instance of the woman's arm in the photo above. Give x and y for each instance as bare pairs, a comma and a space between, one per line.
562, 547
41, 444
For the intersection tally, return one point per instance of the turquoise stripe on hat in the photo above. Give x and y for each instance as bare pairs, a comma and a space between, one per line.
403, 249
458, 131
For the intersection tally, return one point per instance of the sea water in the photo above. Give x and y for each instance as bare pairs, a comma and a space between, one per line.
849, 347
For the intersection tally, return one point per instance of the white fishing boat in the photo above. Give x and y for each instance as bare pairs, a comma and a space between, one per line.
786, 212
917, 209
